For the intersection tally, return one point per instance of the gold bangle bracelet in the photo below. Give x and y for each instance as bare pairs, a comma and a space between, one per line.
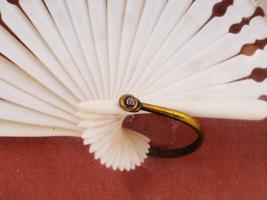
132, 104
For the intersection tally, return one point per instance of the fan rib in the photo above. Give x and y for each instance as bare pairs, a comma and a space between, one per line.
230, 91
97, 10
225, 109
23, 29
16, 129
41, 19
133, 14
229, 45
15, 76
16, 113
12, 94
151, 13
59, 12
82, 24
220, 74
171, 16
210, 33
115, 16
189, 25
16, 52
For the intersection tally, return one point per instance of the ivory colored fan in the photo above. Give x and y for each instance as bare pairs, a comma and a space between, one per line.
65, 63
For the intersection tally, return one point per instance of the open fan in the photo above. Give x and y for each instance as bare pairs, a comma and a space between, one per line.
64, 65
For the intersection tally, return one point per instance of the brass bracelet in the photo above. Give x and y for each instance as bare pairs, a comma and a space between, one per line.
132, 104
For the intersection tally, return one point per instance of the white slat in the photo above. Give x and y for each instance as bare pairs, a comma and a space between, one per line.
192, 21
15, 76
82, 24
133, 13
19, 24
226, 109
171, 16
115, 17
233, 69
215, 29
228, 91
98, 15
15, 129
16, 113
41, 19
16, 52
150, 16
59, 12
18, 96
223, 49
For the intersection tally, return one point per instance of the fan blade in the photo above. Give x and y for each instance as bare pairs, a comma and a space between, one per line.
115, 16
98, 11
42, 21
225, 48
59, 12
17, 96
16, 52
226, 109
18, 78
133, 13
15, 129
82, 24
16, 113
233, 69
20, 25
230, 91
215, 29
150, 16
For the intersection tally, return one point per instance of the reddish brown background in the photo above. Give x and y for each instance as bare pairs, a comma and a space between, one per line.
232, 163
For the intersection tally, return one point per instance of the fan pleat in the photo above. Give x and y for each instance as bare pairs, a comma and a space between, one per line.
98, 12
13, 112
113, 156
13, 75
132, 17
17, 96
171, 15
19, 24
150, 16
222, 73
115, 15
214, 30
188, 26
42, 21
61, 17
230, 91
16, 129
227, 109
16, 52
82, 24
223, 49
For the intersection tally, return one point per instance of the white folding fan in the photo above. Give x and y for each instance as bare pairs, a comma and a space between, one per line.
64, 64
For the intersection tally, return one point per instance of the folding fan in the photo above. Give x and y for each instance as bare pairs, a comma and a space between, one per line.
64, 65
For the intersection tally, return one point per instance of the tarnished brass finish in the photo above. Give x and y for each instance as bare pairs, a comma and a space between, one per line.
132, 104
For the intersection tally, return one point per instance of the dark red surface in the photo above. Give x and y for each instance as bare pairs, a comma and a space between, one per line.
231, 164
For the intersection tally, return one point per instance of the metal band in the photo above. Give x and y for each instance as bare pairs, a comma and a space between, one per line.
132, 104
